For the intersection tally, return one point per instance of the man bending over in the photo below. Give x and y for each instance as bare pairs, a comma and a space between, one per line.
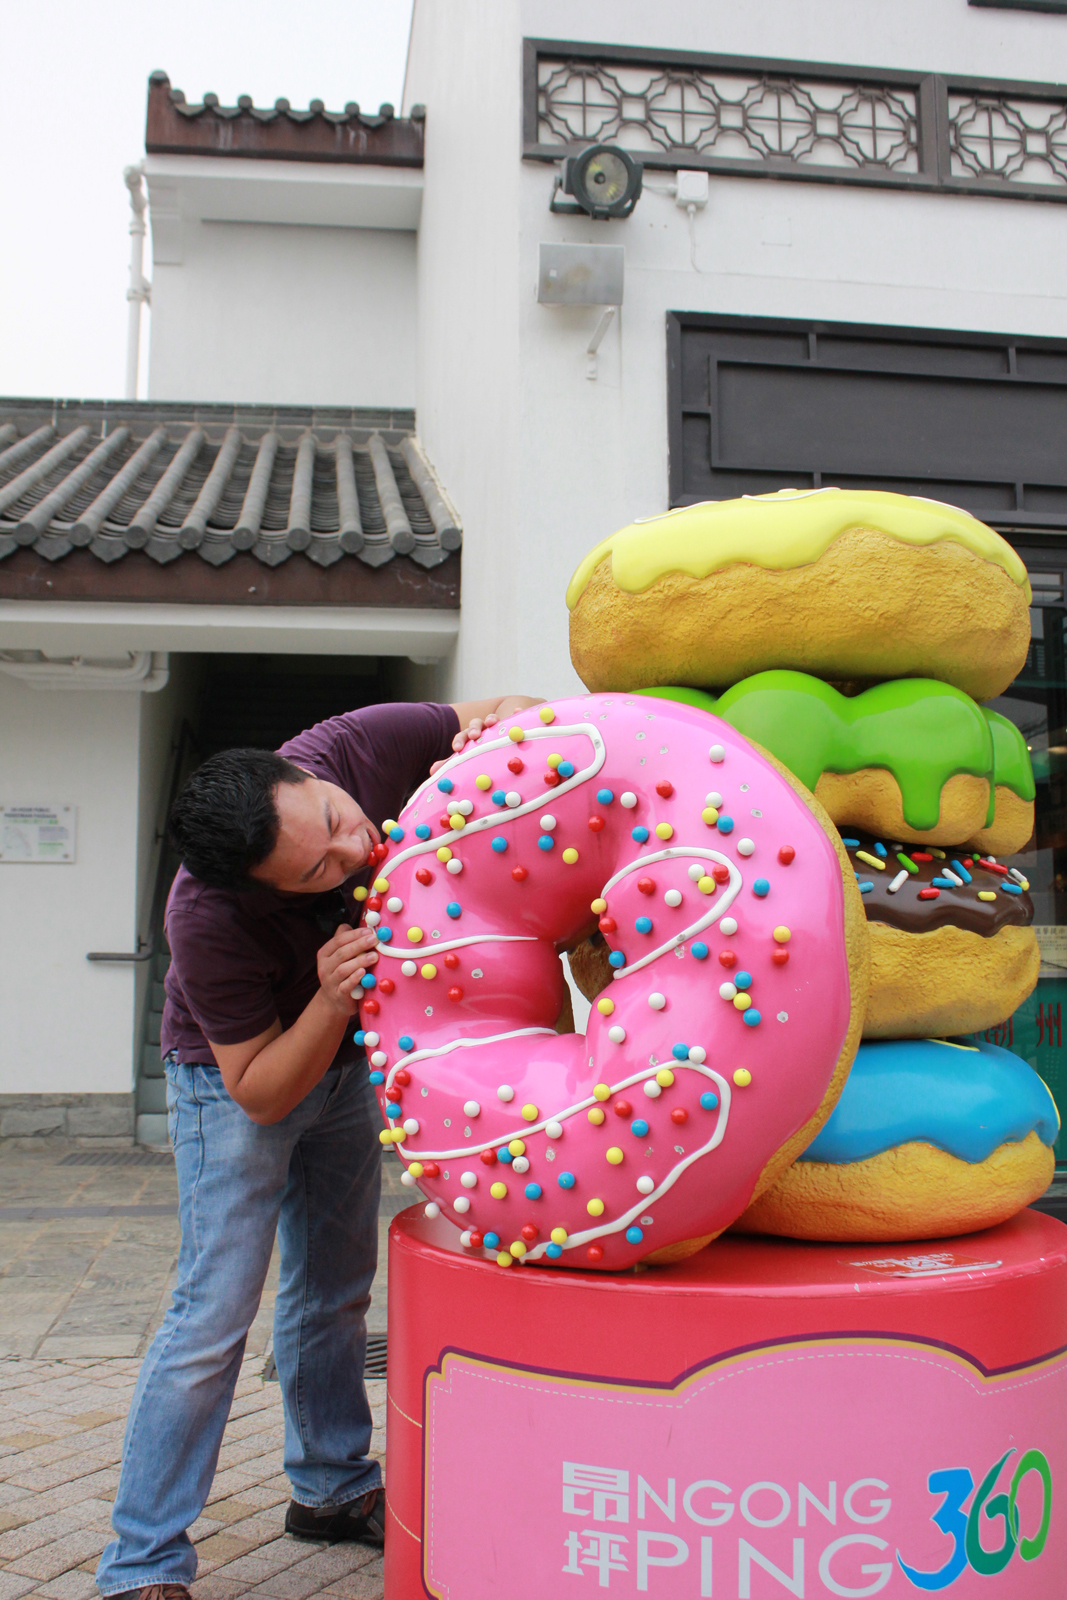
274, 1126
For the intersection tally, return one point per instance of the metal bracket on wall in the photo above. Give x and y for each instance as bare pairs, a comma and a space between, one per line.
607, 317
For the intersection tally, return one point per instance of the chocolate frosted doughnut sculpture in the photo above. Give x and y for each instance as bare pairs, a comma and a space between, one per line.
739, 961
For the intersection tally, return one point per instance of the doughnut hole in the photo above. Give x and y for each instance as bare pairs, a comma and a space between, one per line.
589, 965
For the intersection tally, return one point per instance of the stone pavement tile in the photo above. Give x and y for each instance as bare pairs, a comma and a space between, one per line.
268, 1559
368, 1583
31, 1535
216, 1586
50, 1560
220, 1548
296, 1583
262, 1528
331, 1563
12, 1498
12, 1587
240, 1507
93, 1345
76, 1585
233, 1482
247, 1422
240, 1451
68, 1470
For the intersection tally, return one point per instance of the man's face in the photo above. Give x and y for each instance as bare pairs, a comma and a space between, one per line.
323, 839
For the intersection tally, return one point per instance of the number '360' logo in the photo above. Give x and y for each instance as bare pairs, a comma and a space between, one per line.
965, 1528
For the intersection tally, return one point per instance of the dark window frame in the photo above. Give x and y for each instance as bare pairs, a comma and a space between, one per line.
932, 91
1018, 524
1055, 7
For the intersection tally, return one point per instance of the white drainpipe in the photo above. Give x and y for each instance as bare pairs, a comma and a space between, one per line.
139, 292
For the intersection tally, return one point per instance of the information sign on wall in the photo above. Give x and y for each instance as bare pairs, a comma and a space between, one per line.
37, 834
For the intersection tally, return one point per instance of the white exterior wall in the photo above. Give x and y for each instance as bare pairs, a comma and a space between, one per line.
66, 1025
570, 460
281, 282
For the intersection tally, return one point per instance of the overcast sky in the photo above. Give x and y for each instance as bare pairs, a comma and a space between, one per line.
73, 82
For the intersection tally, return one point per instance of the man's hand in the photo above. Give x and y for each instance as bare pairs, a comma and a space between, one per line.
475, 716
342, 961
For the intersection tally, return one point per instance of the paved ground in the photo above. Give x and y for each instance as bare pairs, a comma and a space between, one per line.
87, 1255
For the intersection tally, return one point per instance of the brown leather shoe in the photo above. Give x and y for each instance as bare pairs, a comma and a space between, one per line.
154, 1591
362, 1521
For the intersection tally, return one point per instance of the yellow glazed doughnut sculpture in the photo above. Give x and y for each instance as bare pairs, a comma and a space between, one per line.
850, 585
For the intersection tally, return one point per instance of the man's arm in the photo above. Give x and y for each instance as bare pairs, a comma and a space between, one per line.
476, 715
268, 1075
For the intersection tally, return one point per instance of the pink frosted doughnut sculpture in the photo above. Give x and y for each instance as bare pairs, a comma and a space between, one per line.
727, 1032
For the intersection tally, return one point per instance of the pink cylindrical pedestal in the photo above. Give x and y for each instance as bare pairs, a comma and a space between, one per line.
768, 1418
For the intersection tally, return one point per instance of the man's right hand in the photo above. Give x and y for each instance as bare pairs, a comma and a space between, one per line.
342, 961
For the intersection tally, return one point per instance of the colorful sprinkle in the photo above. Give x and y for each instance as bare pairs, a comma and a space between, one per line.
639, 1127
872, 861
700, 950
901, 878
761, 888
1011, 888
566, 1180
929, 894
986, 894
643, 925
640, 835
570, 856
421, 832
605, 1006
516, 735
782, 935
725, 824
566, 769
454, 909
752, 1018
604, 797
879, 848
664, 831
787, 855
946, 883
865, 887
546, 842
709, 815
547, 714
445, 785
962, 870
709, 1101
742, 1077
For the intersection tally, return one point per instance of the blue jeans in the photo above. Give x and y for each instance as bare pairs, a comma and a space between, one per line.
315, 1177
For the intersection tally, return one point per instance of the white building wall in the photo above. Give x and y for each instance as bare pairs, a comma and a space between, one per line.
263, 313
585, 457
66, 1025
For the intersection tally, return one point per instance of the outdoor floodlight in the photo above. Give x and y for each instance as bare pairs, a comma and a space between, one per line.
604, 180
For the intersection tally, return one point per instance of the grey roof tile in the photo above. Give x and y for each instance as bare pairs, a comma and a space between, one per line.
326, 484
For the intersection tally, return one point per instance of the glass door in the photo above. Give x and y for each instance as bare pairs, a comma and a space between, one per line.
1037, 703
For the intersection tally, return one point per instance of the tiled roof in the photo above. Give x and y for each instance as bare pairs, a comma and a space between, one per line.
279, 132
330, 484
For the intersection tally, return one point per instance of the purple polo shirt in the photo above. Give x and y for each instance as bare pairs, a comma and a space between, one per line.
241, 959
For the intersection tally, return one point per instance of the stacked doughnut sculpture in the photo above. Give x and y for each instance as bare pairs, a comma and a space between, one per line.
818, 599
738, 962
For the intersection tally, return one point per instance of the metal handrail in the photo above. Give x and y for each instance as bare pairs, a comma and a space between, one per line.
186, 736
117, 955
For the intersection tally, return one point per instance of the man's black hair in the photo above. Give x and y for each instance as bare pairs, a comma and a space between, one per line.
225, 822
